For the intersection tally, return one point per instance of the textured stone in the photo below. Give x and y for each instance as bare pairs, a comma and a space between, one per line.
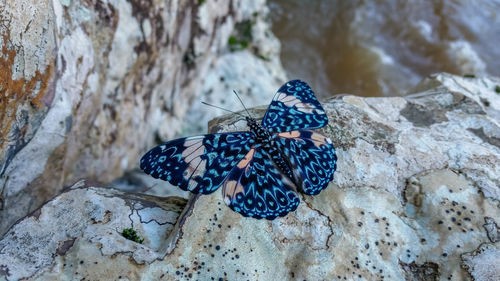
86, 86
81, 228
482, 264
411, 200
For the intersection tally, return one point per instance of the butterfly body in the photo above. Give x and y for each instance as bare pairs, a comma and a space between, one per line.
265, 140
260, 170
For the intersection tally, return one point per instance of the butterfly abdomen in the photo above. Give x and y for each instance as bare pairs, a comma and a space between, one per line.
264, 139
278, 159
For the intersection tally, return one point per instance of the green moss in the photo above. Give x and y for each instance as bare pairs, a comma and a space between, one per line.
201, 2
242, 36
469, 76
264, 58
131, 234
497, 89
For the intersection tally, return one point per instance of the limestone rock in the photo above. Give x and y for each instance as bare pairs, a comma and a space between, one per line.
87, 86
415, 197
81, 230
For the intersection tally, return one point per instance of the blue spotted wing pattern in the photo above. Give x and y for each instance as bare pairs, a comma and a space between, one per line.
294, 107
311, 157
262, 170
199, 164
255, 188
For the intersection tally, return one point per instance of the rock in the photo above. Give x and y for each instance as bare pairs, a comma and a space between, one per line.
415, 197
482, 264
87, 86
82, 228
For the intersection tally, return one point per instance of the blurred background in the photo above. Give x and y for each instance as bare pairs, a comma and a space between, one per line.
383, 48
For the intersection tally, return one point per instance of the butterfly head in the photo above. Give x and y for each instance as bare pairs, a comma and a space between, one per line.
252, 123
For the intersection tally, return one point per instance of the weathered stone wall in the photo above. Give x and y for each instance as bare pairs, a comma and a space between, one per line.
87, 86
415, 197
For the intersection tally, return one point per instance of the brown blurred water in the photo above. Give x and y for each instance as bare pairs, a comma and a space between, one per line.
383, 48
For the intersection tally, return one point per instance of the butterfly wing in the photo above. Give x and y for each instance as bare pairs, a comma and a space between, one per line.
312, 159
255, 188
294, 107
198, 164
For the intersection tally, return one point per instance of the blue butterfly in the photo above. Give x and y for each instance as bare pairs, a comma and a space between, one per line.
260, 170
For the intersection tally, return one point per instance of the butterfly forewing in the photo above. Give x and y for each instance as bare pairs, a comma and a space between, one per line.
294, 107
199, 164
255, 188
312, 159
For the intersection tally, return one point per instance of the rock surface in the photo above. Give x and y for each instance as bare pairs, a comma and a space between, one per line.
415, 197
86, 86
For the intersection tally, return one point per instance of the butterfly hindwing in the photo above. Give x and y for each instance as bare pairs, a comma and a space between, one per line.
199, 164
312, 159
294, 107
255, 188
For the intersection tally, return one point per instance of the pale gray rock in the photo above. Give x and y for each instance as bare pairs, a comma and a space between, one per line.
90, 85
82, 228
414, 198
482, 264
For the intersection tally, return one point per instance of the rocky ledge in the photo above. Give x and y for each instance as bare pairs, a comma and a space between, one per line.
416, 197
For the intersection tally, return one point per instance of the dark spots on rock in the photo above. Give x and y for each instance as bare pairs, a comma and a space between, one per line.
449, 227
423, 240
219, 225
445, 254
367, 246
440, 222
362, 213
376, 220
376, 243
177, 272
360, 224
217, 247
453, 219
482, 135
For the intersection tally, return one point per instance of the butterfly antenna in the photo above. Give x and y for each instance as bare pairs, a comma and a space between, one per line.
222, 108
238, 96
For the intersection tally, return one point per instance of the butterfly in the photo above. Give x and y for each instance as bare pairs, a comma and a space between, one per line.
262, 170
